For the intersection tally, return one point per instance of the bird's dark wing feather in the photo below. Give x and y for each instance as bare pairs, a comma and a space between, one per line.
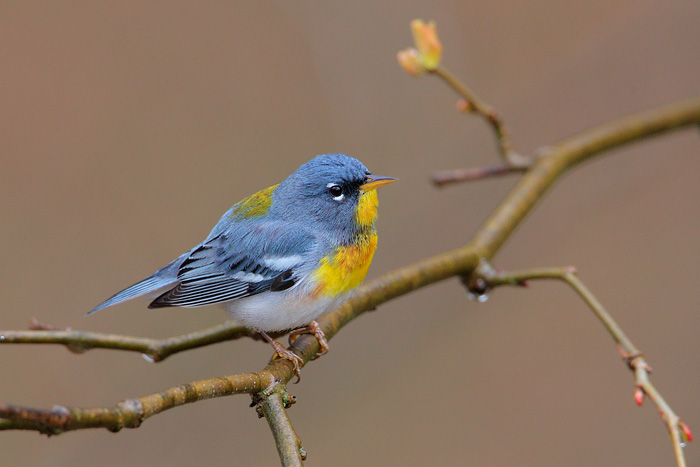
235, 265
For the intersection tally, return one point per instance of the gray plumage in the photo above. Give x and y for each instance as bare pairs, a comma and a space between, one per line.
246, 255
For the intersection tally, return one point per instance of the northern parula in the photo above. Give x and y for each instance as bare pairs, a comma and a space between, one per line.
282, 257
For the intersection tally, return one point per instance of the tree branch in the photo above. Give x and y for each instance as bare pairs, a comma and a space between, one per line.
129, 413
155, 349
557, 159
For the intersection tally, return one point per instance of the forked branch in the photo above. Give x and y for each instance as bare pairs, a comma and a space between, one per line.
486, 277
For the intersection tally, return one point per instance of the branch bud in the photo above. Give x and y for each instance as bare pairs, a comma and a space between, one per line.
410, 62
638, 396
427, 43
464, 105
687, 434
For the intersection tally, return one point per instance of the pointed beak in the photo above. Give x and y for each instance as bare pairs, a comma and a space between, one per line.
375, 181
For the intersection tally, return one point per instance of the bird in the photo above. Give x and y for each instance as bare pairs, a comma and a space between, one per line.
282, 257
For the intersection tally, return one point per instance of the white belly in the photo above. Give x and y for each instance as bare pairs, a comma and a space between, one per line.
280, 311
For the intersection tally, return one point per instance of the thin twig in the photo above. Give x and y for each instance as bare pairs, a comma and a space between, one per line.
633, 357
445, 177
155, 349
474, 103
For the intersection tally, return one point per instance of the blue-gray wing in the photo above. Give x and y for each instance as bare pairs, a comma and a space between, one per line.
239, 263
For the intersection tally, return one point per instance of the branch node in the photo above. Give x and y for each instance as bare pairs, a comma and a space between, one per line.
131, 414
634, 360
477, 288
151, 357
478, 283
517, 160
259, 398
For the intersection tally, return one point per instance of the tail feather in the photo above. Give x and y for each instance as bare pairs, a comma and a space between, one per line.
152, 286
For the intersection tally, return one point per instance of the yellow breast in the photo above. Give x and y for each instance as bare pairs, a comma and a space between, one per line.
345, 269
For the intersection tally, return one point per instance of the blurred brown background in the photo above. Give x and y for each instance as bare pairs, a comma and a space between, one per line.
128, 129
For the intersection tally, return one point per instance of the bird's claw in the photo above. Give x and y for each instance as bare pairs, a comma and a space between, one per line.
315, 329
297, 361
286, 354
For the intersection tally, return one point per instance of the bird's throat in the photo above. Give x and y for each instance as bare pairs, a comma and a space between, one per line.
366, 212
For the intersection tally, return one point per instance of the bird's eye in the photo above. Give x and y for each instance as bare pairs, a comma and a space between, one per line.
336, 191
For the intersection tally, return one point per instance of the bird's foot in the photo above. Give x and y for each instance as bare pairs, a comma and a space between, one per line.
286, 354
315, 329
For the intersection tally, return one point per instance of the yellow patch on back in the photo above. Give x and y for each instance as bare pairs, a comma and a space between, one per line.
342, 271
255, 205
367, 208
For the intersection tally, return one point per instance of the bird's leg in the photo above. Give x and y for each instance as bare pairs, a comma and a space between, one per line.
315, 329
281, 352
